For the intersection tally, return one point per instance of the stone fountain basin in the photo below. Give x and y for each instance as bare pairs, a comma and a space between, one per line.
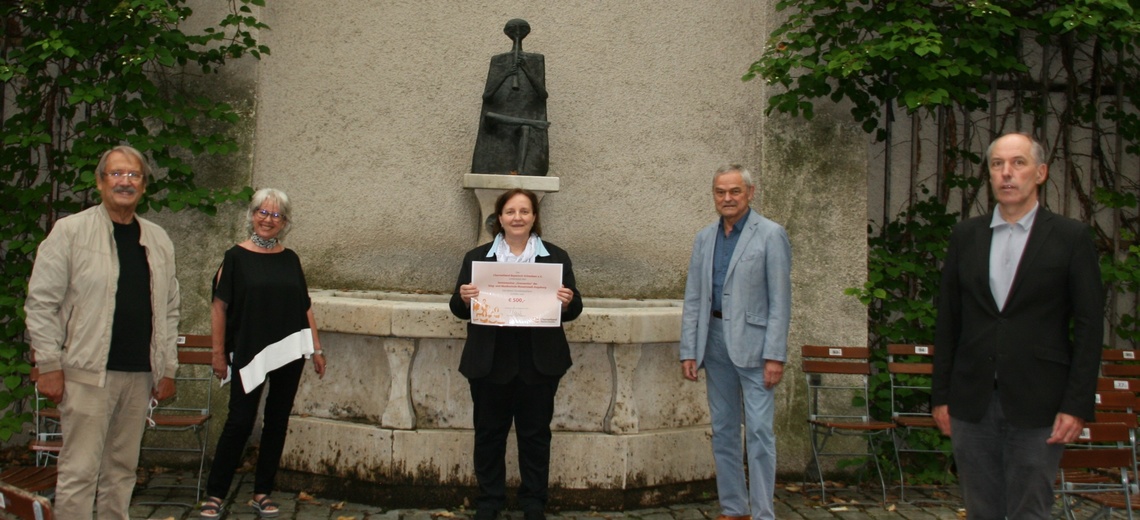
379, 313
393, 408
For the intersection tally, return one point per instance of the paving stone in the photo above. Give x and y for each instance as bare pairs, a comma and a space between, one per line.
688, 513
423, 515
814, 513
794, 501
608, 515
655, 514
386, 515
915, 514
322, 514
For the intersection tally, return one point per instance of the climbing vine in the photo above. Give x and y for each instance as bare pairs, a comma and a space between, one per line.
78, 77
957, 74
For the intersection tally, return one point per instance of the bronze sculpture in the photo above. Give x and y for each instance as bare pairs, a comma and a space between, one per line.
512, 124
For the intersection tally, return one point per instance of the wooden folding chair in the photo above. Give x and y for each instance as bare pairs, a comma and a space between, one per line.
1116, 406
1120, 406
35, 479
837, 377
911, 368
23, 504
1115, 401
189, 413
1125, 417
47, 440
1105, 449
1119, 363
1117, 383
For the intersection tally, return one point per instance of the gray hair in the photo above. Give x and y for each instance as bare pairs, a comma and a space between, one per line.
129, 151
730, 168
283, 207
1035, 147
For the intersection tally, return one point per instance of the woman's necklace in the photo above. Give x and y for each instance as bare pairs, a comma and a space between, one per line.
265, 243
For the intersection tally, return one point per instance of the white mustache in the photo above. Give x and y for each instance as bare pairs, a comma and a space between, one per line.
125, 189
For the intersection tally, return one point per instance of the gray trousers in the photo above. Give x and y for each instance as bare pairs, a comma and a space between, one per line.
737, 396
1004, 471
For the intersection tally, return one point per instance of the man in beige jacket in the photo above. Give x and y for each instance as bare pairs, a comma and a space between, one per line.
102, 315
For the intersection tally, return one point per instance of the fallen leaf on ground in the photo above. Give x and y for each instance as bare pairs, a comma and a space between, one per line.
337, 506
792, 488
305, 497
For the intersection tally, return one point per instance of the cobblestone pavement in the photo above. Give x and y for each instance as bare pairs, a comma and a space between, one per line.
793, 502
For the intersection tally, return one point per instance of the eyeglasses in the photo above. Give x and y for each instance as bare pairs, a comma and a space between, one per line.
132, 176
265, 214
150, 408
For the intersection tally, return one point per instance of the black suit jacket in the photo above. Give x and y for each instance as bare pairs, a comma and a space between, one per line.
1040, 369
551, 350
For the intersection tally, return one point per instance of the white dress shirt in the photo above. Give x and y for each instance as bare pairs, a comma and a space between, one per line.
1006, 247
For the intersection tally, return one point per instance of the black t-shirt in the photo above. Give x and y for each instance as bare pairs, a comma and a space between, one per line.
132, 327
267, 301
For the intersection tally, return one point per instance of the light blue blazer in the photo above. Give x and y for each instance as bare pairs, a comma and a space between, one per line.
757, 299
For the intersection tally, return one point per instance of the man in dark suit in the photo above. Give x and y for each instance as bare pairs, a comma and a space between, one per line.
1018, 340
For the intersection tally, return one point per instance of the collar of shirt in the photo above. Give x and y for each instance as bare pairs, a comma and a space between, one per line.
1007, 244
539, 248
736, 228
1025, 222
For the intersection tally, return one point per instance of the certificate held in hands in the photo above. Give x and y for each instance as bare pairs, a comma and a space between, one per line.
516, 295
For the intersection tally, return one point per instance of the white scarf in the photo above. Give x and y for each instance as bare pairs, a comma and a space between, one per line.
503, 253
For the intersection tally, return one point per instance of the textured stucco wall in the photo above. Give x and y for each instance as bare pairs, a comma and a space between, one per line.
816, 185
199, 239
366, 114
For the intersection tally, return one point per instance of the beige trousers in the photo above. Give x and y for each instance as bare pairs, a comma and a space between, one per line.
102, 431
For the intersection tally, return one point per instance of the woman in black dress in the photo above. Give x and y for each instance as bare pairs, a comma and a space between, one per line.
263, 329
514, 371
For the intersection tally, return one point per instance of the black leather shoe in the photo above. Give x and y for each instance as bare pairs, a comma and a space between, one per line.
534, 515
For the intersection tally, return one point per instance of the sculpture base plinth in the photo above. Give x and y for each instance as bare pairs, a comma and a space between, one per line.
488, 187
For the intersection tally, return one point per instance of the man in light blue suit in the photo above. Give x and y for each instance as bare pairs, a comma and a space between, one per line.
738, 300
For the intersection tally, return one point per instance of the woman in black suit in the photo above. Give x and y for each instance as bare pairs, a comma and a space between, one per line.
514, 371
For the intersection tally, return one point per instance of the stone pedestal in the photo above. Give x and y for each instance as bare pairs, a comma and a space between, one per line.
488, 187
628, 430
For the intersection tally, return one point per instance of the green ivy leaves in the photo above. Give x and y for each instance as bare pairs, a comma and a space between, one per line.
79, 77
923, 55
